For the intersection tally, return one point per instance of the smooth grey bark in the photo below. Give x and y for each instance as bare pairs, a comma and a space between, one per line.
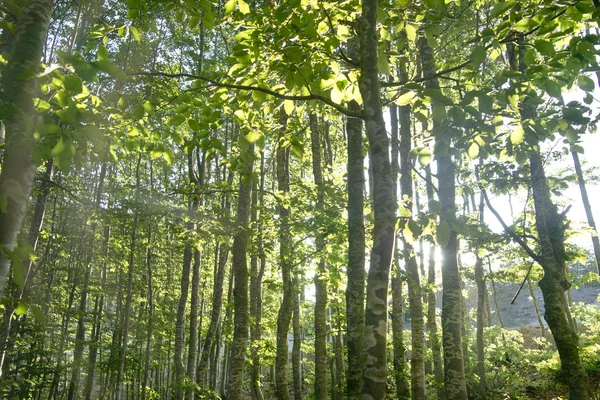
536, 308
432, 327
481, 320
355, 289
239, 268
384, 210
129, 294
454, 373
286, 309
297, 335
587, 206
217, 300
415, 296
80, 335
401, 375
18, 167
195, 298
320, 277
256, 275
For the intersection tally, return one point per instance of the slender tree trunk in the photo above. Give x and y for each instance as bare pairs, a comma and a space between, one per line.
355, 289
217, 303
240, 292
193, 345
536, 308
384, 209
296, 374
401, 377
432, 328
494, 294
481, 320
286, 309
454, 373
80, 335
129, 298
588, 208
415, 297
320, 277
18, 167
255, 285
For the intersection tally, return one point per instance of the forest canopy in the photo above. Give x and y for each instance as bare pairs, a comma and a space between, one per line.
299, 199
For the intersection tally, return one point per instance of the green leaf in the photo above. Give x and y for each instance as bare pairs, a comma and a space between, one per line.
253, 136
135, 32
473, 151
336, 95
517, 135
486, 103
435, 206
501, 8
524, 25
194, 125
230, 6
182, 108
244, 7
573, 114
544, 47
289, 106
478, 55
411, 32
444, 230
176, 120
63, 153
239, 116
406, 98
138, 111
553, 89
73, 84
585, 83
424, 157
102, 53
21, 308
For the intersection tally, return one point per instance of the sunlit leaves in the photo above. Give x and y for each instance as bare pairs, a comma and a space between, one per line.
443, 233
517, 135
478, 55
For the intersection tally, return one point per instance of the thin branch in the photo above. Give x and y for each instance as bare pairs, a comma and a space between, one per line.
507, 229
270, 92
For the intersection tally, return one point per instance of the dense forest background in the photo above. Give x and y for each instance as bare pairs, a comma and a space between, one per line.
299, 199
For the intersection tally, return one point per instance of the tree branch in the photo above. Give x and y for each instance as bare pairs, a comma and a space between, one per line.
507, 229
269, 92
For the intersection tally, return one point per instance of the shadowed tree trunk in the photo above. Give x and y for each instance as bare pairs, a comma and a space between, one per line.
588, 208
481, 320
355, 289
18, 167
384, 210
401, 376
454, 374
320, 278
415, 297
551, 228
255, 285
286, 309
240, 273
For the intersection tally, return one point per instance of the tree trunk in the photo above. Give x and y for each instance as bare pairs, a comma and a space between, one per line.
400, 368
454, 373
286, 309
432, 327
355, 289
481, 320
297, 379
18, 167
384, 209
551, 228
240, 272
129, 298
255, 285
415, 297
80, 335
320, 277
588, 208
536, 308
193, 342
